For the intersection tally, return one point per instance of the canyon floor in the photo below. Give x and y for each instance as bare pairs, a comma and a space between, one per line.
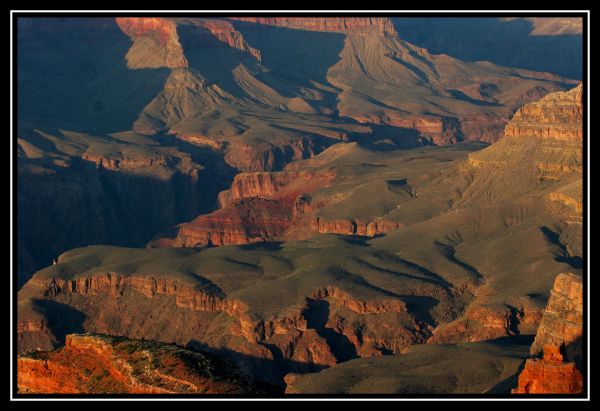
294, 205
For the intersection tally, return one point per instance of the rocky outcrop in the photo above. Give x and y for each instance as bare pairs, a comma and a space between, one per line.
271, 157
98, 364
542, 145
549, 375
265, 206
431, 130
284, 186
488, 322
558, 116
259, 207
562, 322
559, 339
242, 222
358, 226
222, 31
115, 285
367, 25
165, 39
161, 33
123, 162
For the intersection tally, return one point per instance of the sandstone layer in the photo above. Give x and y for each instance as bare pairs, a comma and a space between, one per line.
557, 116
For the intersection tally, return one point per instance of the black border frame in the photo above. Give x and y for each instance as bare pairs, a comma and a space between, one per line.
585, 15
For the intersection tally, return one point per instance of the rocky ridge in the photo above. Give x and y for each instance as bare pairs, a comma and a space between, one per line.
99, 364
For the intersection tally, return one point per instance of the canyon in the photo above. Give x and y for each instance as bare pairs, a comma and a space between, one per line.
300, 204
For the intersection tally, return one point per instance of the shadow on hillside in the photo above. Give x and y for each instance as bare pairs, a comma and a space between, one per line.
62, 319
103, 206
304, 53
553, 237
506, 43
262, 246
73, 74
462, 96
387, 138
267, 372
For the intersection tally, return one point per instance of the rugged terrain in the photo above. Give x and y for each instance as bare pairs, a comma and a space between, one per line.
297, 196
438, 275
97, 364
163, 112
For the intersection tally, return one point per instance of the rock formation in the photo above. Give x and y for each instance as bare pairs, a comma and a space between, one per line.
98, 364
488, 322
164, 42
562, 322
542, 144
559, 338
327, 24
549, 375
557, 116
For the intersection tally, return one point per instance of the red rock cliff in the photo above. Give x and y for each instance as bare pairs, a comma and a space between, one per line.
334, 24
549, 375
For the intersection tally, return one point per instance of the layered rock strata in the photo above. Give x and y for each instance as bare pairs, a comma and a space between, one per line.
327, 24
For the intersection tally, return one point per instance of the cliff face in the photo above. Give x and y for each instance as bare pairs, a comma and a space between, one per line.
562, 322
285, 186
150, 189
559, 338
549, 375
259, 207
541, 148
155, 43
224, 32
271, 157
162, 32
329, 327
96, 364
557, 116
327, 24
243, 222
488, 322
